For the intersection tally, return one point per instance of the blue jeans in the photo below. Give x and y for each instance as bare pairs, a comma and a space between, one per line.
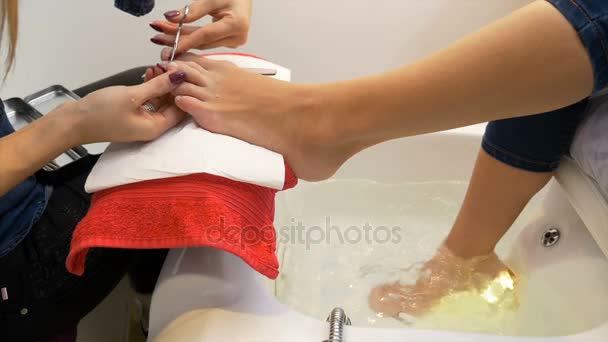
536, 143
21, 207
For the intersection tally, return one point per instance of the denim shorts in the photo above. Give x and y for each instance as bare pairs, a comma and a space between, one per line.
536, 143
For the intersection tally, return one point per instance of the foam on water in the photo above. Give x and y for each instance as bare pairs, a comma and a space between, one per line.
353, 235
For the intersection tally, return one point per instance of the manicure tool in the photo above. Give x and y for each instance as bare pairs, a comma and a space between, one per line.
179, 32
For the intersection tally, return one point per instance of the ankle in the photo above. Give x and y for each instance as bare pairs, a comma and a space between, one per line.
319, 124
313, 137
466, 251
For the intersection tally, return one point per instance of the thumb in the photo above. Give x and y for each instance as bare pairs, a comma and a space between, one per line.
197, 10
157, 87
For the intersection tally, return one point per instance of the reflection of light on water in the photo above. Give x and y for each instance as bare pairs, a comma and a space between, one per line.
335, 273
497, 287
490, 309
506, 281
489, 296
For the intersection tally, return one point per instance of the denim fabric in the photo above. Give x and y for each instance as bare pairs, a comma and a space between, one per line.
534, 143
35, 275
590, 19
21, 207
135, 7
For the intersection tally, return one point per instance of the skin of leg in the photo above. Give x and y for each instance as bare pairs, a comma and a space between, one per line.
507, 69
496, 195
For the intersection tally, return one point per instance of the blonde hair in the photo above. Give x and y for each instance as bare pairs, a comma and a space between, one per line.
10, 19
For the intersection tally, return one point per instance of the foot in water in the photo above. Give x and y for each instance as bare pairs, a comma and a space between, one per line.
441, 276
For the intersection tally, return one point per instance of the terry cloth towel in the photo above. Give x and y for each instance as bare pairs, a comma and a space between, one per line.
213, 190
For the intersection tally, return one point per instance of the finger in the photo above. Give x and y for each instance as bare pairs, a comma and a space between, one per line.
198, 9
149, 74
157, 87
171, 28
156, 71
206, 35
188, 89
169, 38
163, 67
156, 102
163, 39
165, 54
169, 116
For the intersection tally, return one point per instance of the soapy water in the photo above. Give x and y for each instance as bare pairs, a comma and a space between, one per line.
350, 236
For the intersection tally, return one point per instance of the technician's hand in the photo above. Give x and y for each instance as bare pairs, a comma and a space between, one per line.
116, 114
229, 28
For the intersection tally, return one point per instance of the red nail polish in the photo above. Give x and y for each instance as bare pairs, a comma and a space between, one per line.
157, 41
156, 27
171, 14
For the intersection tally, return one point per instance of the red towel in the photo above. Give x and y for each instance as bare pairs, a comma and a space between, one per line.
194, 210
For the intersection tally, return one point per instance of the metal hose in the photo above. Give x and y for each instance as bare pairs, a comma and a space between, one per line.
337, 320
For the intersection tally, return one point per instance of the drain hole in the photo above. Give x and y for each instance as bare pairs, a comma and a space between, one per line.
550, 237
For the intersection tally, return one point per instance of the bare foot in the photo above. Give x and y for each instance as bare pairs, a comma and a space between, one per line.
441, 276
266, 112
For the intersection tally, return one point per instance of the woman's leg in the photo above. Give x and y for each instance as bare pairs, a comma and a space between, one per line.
532, 61
517, 159
495, 197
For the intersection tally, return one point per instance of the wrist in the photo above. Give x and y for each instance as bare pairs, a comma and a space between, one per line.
67, 120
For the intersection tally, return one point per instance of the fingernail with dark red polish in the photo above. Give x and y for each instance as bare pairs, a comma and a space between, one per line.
171, 14
161, 67
177, 77
157, 41
156, 27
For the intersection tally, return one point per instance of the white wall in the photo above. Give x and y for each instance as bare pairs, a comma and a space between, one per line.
73, 42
